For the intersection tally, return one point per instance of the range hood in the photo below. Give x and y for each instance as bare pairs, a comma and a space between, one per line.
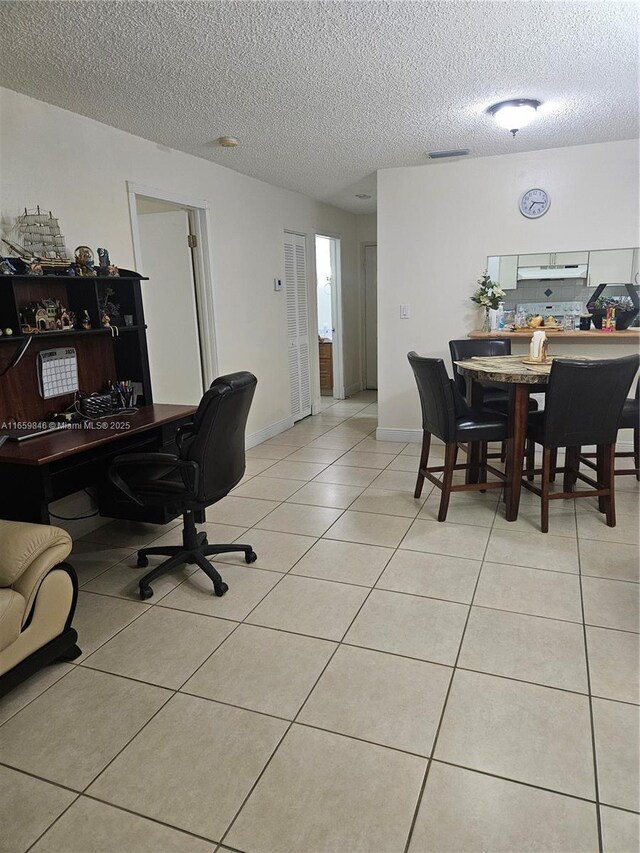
555, 272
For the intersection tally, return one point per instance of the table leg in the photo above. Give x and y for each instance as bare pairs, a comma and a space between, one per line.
518, 412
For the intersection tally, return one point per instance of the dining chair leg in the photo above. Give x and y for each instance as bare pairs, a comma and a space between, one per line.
609, 462
503, 452
424, 458
547, 454
450, 456
554, 465
571, 462
600, 474
484, 451
636, 451
531, 458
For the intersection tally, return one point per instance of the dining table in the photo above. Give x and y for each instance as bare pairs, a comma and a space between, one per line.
522, 379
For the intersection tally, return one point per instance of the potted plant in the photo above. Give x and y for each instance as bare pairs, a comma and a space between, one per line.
624, 307
489, 296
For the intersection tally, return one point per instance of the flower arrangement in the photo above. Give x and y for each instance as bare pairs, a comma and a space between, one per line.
489, 293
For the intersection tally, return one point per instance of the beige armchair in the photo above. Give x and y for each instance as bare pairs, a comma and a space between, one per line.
38, 593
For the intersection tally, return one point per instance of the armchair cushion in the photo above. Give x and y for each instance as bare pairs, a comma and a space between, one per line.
11, 612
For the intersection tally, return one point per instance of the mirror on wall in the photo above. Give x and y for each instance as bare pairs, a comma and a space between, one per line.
553, 279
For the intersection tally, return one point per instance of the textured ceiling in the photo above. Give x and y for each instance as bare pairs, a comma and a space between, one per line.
322, 94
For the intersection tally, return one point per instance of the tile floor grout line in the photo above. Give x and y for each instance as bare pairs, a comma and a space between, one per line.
301, 708
446, 697
591, 715
53, 823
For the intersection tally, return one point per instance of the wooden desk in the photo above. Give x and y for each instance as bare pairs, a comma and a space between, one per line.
39, 470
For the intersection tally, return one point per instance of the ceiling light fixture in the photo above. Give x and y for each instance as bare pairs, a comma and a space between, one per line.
228, 141
515, 114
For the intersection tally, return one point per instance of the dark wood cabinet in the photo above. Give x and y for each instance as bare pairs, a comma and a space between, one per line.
103, 354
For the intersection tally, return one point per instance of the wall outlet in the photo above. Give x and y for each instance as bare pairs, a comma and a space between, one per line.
404, 312
277, 284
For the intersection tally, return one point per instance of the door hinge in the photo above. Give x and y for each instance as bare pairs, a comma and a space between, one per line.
192, 241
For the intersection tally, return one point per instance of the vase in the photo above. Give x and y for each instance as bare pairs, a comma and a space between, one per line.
486, 321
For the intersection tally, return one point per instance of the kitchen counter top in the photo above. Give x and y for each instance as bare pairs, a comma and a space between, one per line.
593, 335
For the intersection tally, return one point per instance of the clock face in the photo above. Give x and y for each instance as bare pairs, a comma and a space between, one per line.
534, 203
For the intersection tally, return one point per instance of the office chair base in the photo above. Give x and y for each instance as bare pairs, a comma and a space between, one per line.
194, 551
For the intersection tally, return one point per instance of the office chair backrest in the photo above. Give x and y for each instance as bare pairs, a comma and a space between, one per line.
216, 442
585, 399
437, 396
467, 348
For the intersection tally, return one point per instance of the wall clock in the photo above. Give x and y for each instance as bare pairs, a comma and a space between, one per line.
534, 203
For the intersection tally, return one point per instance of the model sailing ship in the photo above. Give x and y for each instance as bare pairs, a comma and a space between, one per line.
37, 234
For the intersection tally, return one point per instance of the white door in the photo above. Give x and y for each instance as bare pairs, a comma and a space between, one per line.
295, 282
170, 308
371, 316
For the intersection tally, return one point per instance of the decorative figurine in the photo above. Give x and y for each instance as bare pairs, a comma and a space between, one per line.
84, 261
6, 267
8, 332
70, 271
105, 319
35, 266
86, 320
106, 267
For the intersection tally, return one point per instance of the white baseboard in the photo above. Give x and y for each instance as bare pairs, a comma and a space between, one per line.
352, 389
268, 432
412, 435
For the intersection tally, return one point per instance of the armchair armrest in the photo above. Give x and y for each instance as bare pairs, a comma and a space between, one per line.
189, 470
183, 432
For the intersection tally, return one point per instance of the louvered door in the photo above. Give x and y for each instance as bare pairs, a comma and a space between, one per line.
295, 279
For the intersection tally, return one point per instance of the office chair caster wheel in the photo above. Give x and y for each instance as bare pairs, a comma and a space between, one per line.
220, 589
145, 592
142, 563
251, 556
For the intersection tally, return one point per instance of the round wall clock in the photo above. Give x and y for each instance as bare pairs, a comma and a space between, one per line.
534, 203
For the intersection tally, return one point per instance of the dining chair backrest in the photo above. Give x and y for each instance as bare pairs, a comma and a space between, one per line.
585, 399
468, 348
437, 396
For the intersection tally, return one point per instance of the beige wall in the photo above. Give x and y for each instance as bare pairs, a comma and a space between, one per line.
438, 223
78, 168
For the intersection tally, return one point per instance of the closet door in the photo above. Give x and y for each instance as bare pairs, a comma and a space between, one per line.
295, 280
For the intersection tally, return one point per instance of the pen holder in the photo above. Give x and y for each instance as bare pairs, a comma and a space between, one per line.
127, 398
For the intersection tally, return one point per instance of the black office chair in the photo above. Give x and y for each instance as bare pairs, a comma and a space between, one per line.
446, 415
584, 405
210, 462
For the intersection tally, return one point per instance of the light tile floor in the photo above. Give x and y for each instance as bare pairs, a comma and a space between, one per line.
375, 683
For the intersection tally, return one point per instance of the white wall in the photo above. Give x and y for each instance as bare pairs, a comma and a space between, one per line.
78, 168
438, 223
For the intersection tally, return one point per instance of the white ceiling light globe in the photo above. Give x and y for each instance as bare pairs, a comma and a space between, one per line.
513, 115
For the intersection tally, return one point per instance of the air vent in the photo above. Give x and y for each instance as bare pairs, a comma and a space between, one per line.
452, 152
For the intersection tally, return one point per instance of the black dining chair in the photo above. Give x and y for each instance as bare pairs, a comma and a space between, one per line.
630, 419
209, 463
494, 397
584, 405
446, 415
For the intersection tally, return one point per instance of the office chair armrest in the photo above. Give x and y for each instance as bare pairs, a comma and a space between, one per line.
183, 432
153, 459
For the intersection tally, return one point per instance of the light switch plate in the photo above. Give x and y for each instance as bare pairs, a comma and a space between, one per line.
404, 312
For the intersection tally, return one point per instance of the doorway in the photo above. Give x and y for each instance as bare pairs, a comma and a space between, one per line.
328, 316
370, 318
170, 238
